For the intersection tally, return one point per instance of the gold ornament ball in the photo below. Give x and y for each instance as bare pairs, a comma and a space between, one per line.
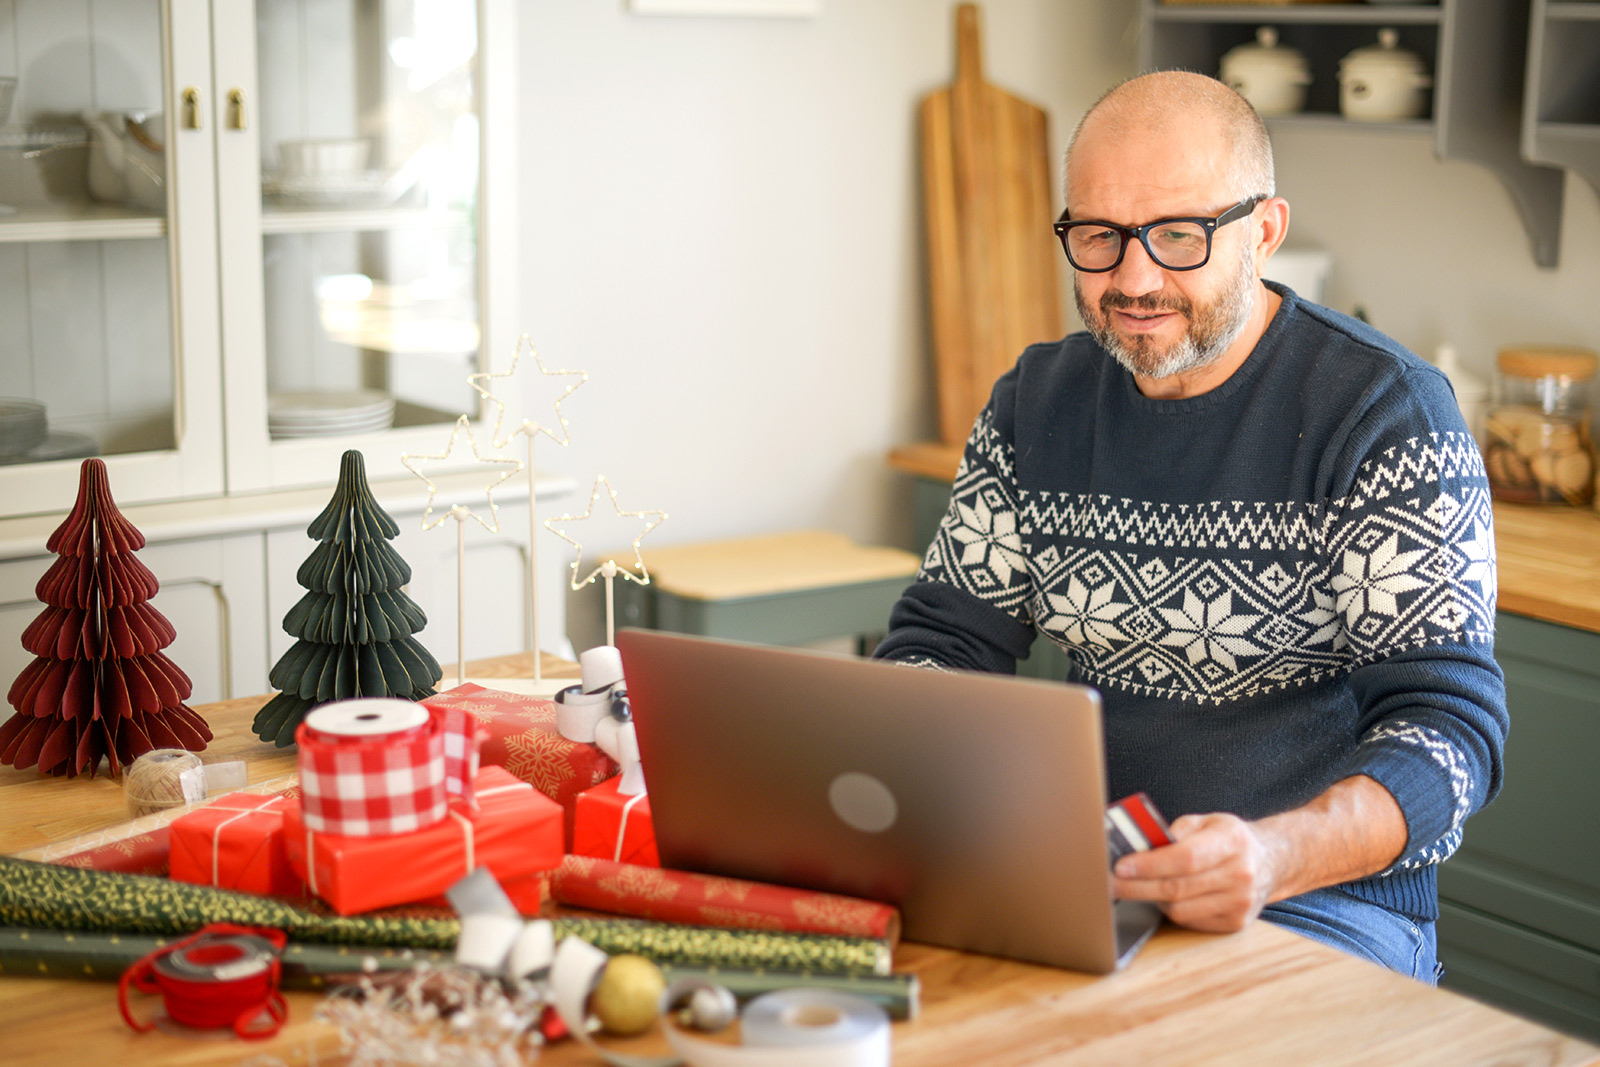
627, 998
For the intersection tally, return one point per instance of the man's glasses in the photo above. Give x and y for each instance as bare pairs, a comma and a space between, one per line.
1176, 244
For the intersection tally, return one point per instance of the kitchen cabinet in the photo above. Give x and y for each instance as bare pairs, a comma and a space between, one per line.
1561, 102
1520, 901
1476, 49
238, 238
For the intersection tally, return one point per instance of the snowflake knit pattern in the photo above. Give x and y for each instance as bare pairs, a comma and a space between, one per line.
1275, 585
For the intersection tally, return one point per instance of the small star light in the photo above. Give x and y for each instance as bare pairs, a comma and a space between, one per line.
641, 576
459, 511
503, 433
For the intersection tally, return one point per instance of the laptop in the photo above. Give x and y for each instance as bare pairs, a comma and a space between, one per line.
973, 802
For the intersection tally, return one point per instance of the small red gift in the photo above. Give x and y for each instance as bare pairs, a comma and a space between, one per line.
515, 832
614, 826
520, 735
235, 842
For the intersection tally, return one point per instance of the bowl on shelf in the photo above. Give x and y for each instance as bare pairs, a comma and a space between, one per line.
323, 158
22, 425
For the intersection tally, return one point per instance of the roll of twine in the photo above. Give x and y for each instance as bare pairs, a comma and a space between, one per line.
153, 783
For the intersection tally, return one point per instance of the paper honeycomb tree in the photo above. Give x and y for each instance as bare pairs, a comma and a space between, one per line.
353, 627
99, 685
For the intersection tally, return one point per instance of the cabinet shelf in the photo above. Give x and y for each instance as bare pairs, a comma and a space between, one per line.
1476, 49
284, 220
1561, 102
80, 222
1575, 12
1304, 14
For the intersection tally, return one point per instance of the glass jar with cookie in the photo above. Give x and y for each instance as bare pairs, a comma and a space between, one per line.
1538, 444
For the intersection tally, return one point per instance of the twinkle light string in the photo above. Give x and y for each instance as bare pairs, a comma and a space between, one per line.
529, 428
461, 513
608, 568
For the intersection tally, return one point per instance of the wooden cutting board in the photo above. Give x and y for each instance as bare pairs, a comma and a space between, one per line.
992, 259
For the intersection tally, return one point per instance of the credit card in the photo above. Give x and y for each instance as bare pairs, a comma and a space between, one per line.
1134, 825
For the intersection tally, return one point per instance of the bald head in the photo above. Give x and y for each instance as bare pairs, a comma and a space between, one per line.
1185, 107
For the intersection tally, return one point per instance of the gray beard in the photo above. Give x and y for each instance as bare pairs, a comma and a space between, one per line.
1210, 332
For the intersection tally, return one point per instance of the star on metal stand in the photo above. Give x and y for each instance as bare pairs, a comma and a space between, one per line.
608, 568
530, 428
461, 513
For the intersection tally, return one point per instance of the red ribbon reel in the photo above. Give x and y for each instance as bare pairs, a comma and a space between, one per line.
220, 976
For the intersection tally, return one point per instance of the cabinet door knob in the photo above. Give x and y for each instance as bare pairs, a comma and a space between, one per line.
191, 108
236, 118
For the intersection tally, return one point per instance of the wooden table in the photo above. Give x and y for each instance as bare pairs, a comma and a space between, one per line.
1262, 996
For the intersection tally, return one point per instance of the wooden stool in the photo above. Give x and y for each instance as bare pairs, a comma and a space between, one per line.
780, 589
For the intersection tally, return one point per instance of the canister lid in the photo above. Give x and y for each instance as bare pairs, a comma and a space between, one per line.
1264, 54
1386, 56
1543, 361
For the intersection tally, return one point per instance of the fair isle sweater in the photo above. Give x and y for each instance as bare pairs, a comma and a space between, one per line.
1275, 585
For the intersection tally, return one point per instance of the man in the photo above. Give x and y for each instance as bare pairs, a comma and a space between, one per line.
1257, 526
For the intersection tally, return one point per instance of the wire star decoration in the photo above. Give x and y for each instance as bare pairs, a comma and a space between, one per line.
457, 510
641, 575
483, 383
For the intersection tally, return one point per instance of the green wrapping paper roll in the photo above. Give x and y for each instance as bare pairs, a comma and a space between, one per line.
46, 896
748, 949
104, 956
71, 898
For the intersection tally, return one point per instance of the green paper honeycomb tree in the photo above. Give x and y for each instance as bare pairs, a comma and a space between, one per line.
354, 626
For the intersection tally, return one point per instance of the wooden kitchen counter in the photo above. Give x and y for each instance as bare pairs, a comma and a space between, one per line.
1262, 996
1548, 557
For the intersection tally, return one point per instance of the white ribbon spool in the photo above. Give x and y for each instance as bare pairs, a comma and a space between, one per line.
789, 1028
487, 940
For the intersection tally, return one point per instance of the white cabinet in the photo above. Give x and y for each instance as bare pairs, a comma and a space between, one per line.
237, 238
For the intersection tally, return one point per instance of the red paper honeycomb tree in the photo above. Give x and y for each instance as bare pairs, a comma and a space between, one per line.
100, 685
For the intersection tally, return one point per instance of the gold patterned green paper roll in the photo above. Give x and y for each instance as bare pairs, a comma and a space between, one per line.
45, 896
710, 945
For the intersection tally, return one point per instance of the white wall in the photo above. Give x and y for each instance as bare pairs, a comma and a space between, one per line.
721, 223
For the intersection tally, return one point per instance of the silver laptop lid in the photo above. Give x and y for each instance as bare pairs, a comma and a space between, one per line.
974, 802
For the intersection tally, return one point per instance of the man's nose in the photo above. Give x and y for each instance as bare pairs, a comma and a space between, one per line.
1137, 274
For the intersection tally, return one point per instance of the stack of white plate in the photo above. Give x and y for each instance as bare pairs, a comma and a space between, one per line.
323, 414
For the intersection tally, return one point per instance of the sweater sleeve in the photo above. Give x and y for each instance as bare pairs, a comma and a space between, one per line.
1411, 545
967, 609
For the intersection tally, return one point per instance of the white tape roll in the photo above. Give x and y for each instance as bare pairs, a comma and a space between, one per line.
789, 1028
577, 713
486, 940
600, 667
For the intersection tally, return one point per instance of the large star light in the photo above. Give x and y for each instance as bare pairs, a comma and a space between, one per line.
505, 429
455, 509
640, 574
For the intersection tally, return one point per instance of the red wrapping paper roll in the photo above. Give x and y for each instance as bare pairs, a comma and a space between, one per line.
709, 900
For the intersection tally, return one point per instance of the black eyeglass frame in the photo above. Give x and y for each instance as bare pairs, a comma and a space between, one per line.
1142, 233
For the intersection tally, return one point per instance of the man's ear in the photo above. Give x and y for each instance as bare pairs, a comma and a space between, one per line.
1271, 225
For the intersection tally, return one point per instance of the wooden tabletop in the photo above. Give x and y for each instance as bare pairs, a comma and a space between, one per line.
1548, 556
1262, 996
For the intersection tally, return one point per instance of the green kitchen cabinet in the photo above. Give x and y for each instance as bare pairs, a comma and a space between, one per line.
1520, 902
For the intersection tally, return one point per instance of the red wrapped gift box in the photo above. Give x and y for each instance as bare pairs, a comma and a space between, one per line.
613, 826
515, 832
235, 842
520, 735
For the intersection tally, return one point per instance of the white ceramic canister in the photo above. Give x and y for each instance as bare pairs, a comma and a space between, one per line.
1272, 76
1383, 82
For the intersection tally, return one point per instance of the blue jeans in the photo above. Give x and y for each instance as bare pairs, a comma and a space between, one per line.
1362, 929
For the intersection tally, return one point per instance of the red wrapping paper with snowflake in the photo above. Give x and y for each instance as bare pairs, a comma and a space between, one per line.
709, 900
99, 686
521, 736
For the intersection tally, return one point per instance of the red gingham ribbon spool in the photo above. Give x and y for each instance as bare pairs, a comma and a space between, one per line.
374, 767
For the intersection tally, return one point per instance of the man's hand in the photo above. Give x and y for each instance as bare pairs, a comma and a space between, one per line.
1217, 876
1221, 870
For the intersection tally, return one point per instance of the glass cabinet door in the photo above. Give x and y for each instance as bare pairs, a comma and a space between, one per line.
92, 158
360, 151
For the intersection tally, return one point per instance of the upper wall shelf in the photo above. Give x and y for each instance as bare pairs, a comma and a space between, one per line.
1561, 105
1475, 48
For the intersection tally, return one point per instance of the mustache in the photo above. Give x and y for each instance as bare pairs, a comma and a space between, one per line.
1112, 300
